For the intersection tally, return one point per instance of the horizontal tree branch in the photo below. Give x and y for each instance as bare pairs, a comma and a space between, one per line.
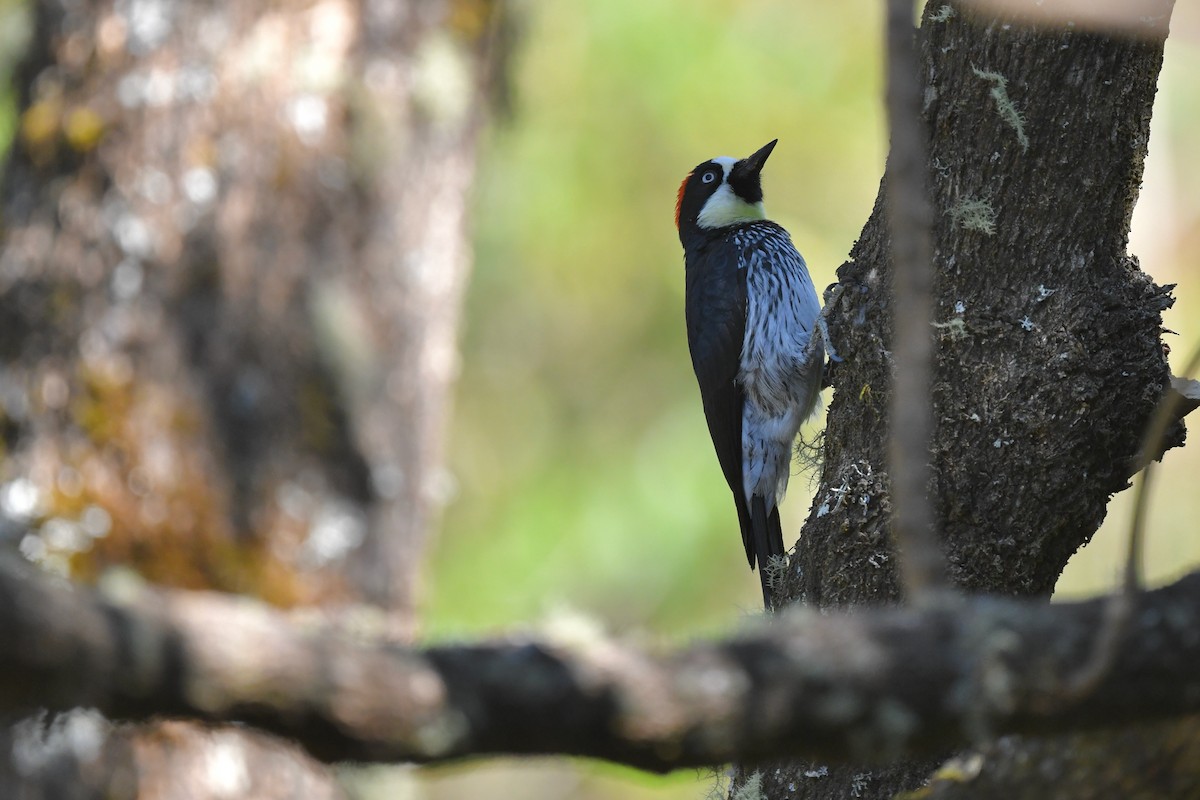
871, 685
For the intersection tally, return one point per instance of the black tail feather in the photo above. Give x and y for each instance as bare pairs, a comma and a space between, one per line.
747, 531
768, 541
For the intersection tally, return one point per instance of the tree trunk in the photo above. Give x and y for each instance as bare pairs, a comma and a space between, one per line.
1049, 360
234, 251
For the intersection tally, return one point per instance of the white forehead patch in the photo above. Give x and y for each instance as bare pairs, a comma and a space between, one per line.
725, 207
726, 163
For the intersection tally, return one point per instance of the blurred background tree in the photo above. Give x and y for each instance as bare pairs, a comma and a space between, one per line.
235, 246
579, 473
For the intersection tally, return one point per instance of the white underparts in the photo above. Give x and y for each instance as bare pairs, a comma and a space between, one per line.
725, 207
781, 358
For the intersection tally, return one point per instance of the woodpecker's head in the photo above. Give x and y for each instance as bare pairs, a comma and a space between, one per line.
721, 192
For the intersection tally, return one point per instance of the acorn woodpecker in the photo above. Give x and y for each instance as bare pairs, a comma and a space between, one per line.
751, 314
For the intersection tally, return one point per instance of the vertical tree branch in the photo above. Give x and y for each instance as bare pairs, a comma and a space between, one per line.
909, 219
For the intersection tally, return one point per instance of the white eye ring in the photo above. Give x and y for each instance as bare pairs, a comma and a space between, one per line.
708, 177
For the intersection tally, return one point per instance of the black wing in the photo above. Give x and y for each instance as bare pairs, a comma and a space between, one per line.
716, 326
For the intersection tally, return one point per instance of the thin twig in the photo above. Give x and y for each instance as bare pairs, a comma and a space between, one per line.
909, 218
1152, 443
1120, 604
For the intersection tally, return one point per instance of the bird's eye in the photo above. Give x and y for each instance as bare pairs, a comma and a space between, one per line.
708, 177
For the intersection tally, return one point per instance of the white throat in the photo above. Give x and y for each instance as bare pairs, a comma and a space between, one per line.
725, 207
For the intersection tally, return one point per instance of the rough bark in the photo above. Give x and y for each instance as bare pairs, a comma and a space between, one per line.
844, 686
1048, 356
234, 244
1047, 375
1138, 762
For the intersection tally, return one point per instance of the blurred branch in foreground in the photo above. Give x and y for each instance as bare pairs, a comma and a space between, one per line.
868, 686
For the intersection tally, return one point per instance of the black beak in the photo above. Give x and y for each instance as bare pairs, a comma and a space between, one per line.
745, 175
753, 164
